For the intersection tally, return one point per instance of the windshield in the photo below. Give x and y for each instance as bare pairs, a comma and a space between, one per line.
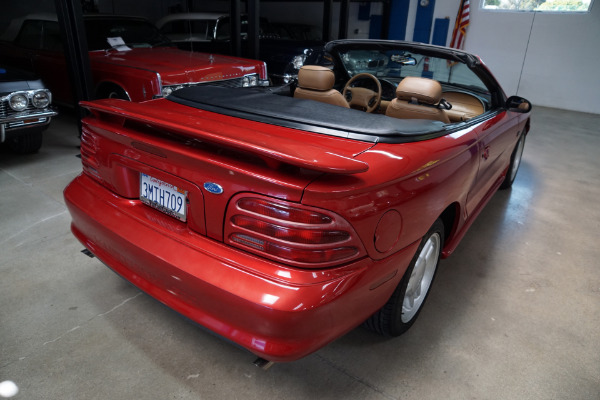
198, 29
395, 64
134, 32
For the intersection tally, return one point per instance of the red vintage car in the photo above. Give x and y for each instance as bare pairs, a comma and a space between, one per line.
281, 221
141, 64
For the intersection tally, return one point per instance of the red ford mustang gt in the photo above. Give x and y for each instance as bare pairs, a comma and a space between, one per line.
281, 218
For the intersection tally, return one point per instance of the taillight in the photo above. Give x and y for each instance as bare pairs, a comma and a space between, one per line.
291, 233
295, 235
88, 153
281, 211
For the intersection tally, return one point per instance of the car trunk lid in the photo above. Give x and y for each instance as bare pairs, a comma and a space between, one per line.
208, 156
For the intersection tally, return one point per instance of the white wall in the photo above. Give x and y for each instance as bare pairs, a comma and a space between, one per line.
551, 59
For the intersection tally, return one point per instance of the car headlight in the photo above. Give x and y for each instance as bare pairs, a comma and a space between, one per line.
167, 90
18, 101
41, 99
298, 61
249, 81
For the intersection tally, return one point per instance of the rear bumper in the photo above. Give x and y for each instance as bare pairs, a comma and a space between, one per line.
276, 312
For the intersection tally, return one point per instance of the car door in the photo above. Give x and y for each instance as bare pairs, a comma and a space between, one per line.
38, 48
496, 139
51, 63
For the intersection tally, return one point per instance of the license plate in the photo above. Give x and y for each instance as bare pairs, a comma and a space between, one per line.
163, 196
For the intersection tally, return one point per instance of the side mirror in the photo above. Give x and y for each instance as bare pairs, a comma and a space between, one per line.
518, 104
409, 61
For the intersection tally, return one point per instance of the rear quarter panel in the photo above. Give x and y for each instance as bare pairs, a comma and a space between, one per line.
418, 180
140, 84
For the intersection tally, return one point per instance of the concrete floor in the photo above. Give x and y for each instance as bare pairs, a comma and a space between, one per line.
514, 313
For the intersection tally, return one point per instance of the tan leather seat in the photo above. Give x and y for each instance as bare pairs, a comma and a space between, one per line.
417, 98
316, 83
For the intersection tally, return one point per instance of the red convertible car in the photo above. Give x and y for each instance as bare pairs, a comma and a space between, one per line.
129, 58
281, 220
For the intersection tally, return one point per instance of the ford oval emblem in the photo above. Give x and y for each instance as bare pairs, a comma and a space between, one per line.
213, 188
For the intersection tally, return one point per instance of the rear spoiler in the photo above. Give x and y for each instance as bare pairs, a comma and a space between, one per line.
303, 149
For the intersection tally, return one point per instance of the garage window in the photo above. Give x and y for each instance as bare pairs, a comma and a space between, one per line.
563, 6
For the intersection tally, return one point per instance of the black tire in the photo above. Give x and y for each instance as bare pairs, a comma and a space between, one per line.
393, 319
26, 142
112, 92
515, 162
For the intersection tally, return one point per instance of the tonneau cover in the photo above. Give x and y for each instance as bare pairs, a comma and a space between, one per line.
262, 105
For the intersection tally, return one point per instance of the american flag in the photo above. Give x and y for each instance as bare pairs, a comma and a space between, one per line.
460, 26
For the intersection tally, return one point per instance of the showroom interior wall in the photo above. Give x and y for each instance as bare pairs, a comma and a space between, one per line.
549, 58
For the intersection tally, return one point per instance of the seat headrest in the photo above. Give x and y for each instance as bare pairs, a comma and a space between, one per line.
425, 90
315, 77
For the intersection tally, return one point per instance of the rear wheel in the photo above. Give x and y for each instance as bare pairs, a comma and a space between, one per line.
403, 308
26, 142
515, 162
112, 91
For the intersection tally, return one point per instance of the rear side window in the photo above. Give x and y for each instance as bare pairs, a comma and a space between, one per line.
200, 29
51, 37
40, 35
134, 32
30, 35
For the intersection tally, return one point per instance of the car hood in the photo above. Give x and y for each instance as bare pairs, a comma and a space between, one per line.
13, 79
176, 66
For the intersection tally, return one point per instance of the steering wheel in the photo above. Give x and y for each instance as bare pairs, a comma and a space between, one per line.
362, 97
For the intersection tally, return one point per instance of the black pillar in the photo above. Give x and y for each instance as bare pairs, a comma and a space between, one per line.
344, 15
385, 21
236, 21
327, 5
70, 20
253, 28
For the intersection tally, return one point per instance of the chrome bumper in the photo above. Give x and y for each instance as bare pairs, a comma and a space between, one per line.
24, 120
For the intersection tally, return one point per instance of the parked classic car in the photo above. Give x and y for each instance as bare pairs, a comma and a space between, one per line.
141, 64
24, 110
283, 47
282, 222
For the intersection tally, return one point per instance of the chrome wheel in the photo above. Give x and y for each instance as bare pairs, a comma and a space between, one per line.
405, 304
421, 277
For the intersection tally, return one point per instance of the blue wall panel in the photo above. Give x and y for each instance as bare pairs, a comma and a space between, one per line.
440, 31
398, 17
375, 26
423, 22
